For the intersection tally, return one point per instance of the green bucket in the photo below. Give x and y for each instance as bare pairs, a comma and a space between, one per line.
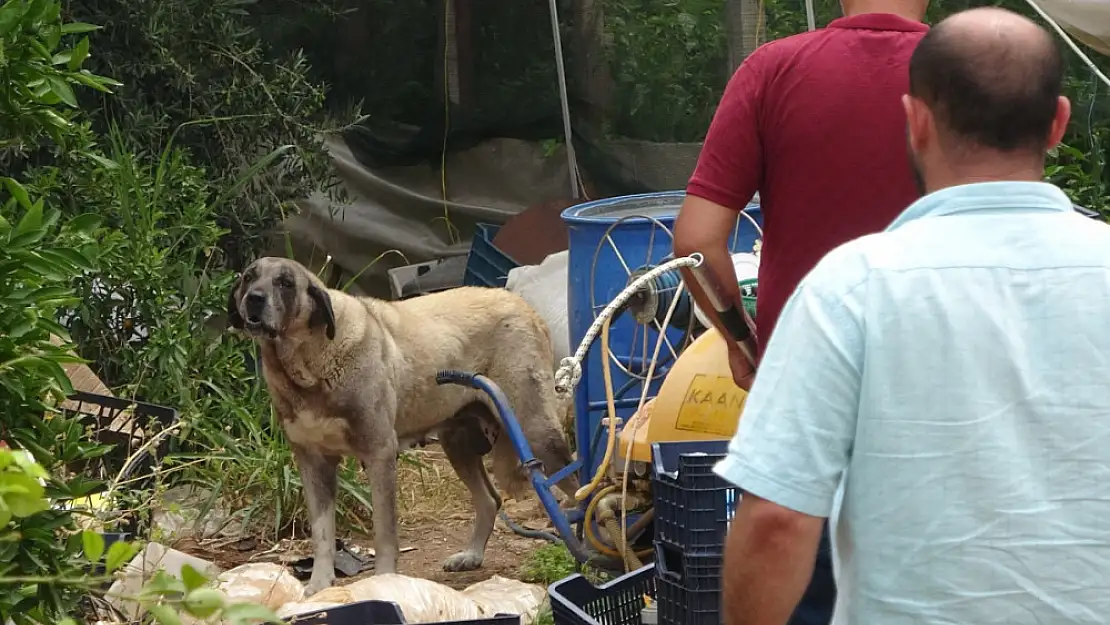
747, 295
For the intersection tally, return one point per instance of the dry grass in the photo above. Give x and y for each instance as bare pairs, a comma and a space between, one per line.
429, 488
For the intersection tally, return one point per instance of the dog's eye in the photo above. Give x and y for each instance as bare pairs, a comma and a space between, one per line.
284, 282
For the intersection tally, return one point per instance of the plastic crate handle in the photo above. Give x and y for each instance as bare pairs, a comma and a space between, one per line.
662, 570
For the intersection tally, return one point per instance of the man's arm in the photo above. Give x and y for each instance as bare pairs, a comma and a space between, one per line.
794, 442
769, 561
705, 227
728, 174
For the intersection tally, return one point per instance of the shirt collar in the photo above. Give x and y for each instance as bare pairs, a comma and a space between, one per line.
986, 197
879, 21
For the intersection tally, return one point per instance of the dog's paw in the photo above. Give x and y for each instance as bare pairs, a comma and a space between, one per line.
463, 561
317, 584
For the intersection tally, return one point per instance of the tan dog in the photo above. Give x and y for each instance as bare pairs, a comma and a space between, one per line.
356, 377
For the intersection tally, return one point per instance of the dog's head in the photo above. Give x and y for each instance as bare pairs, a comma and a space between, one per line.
279, 297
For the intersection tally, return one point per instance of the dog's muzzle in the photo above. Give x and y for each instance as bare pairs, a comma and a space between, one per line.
253, 320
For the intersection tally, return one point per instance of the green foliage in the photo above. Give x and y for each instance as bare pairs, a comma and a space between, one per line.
548, 564
197, 71
29, 597
41, 254
669, 64
40, 74
30, 549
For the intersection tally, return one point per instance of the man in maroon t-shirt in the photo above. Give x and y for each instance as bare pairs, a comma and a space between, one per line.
815, 124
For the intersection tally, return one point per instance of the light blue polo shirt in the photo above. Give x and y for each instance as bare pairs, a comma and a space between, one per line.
952, 374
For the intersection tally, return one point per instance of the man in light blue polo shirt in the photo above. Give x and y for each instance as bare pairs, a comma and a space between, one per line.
947, 381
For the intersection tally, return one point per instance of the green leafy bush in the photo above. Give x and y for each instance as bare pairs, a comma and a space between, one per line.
40, 76
199, 72
41, 254
669, 65
52, 596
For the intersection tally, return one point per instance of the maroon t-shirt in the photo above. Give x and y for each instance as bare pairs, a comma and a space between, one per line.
814, 122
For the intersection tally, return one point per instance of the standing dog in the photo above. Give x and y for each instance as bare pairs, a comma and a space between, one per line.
356, 377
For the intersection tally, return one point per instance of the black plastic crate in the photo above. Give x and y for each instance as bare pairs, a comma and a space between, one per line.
380, 613
575, 601
682, 606
693, 505
127, 426
361, 613
691, 571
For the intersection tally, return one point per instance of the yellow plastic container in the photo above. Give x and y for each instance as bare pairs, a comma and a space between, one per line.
697, 401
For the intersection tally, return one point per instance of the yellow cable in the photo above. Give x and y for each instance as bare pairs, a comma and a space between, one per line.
595, 540
452, 238
611, 402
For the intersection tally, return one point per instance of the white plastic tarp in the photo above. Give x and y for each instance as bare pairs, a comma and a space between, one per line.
1086, 20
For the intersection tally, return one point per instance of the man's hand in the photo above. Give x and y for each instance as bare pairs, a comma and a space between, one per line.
768, 563
742, 372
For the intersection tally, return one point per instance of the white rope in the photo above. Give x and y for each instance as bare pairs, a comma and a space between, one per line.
570, 368
1068, 40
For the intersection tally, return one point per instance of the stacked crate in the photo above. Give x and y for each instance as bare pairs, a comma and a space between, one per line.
693, 507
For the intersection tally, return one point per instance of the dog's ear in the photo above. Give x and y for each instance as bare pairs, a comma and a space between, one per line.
234, 319
322, 313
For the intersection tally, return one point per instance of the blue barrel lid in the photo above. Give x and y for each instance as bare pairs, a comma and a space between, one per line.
657, 205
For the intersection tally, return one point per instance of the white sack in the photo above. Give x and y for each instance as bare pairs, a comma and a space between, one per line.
425, 601
263, 583
544, 286
499, 595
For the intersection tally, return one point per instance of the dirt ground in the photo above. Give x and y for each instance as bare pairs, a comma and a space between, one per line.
435, 520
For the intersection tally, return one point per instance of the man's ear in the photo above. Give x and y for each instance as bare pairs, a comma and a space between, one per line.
918, 118
234, 319
1059, 122
322, 313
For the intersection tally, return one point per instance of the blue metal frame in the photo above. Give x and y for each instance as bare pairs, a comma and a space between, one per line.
540, 482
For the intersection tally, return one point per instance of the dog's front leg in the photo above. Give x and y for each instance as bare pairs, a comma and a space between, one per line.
379, 458
318, 475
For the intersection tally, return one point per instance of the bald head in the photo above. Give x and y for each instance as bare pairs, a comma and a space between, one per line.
991, 78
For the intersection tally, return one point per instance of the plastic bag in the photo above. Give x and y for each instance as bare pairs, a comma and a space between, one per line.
544, 286
141, 569
263, 583
421, 600
425, 601
498, 595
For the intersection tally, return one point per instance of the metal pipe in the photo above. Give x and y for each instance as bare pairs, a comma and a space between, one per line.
564, 102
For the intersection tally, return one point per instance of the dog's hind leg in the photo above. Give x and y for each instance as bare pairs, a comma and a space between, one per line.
463, 443
318, 475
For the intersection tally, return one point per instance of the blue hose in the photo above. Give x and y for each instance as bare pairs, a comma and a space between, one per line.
540, 482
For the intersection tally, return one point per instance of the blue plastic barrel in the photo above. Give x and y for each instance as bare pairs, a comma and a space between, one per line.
586, 227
